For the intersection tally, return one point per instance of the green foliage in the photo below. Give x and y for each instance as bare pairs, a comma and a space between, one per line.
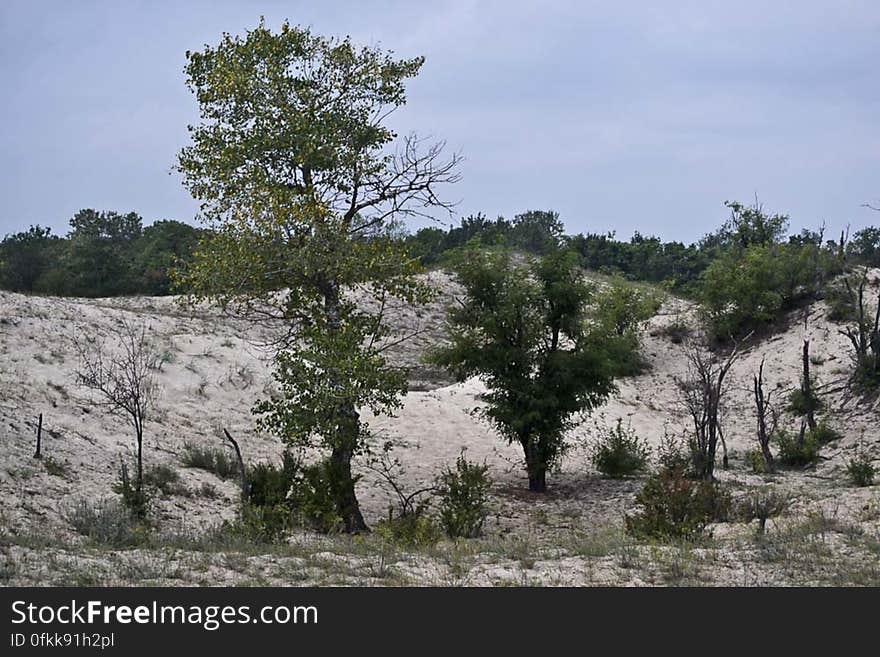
864, 247
523, 328
414, 530
463, 494
315, 495
211, 459
618, 451
105, 254
260, 524
748, 226
755, 460
672, 506
745, 290
161, 248
135, 499
673, 454
802, 404
754, 277
793, 450
860, 469
269, 485
165, 479
25, 258
621, 309
824, 433
285, 175
106, 522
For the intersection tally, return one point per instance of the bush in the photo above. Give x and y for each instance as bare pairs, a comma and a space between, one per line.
165, 479
802, 404
618, 451
280, 498
261, 524
677, 332
211, 459
675, 507
755, 460
824, 434
793, 451
764, 504
313, 496
136, 501
413, 530
860, 469
463, 494
54, 467
673, 454
106, 522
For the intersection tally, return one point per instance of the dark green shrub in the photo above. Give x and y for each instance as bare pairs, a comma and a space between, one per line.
313, 496
136, 501
794, 450
755, 460
463, 494
261, 524
413, 530
675, 507
673, 454
618, 451
824, 434
860, 469
803, 404
165, 479
211, 459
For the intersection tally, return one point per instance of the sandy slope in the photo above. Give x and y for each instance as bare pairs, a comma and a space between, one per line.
214, 372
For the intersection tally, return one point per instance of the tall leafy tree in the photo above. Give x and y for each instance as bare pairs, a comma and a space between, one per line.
25, 257
163, 246
524, 329
300, 178
100, 252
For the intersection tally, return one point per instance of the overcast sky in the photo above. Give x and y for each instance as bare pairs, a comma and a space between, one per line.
620, 115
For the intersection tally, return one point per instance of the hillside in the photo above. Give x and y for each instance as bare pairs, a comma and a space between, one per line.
214, 369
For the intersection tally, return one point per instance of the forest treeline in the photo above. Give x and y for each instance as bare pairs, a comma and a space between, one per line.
750, 261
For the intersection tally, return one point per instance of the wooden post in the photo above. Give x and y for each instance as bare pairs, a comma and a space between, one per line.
244, 484
37, 453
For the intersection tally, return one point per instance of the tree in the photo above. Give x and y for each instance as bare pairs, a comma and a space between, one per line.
622, 309
123, 376
163, 246
99, 257
767, 419
25, 258
747, 226
864, 333
536, 231
298, 174
702, 393
523, 329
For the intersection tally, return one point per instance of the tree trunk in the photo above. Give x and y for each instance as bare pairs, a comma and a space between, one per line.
37, 453
346, 500
346, 439
140, 461
807, 385
535, 466
241, 469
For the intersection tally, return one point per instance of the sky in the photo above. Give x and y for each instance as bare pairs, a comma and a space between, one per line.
621, 116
